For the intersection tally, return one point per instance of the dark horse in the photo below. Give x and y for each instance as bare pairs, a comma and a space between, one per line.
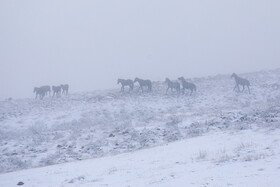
47, 89
172, 85
56, 91
126, 82
65, 88
142, 83
187, 85
39, 92
240, 81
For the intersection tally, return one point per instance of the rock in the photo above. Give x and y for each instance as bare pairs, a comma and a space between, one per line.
20, 183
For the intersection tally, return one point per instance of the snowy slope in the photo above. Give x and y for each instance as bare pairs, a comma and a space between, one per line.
35, 133
245, 158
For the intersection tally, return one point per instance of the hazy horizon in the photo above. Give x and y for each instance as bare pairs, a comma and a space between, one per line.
90, 44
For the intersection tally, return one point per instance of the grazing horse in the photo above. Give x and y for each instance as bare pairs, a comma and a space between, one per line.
172, 85
240, 81
127, 82
64, 88
142, 83
56, 91
187, 85
39, 92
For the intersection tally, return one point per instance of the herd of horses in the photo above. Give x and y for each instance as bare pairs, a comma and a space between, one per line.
179, 85
43, 91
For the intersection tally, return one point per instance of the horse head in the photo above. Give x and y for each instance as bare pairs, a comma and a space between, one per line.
35, 89
136, 79
233, 75
119, 80
167, 80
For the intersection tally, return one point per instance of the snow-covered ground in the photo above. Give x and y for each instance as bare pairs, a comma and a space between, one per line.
245, 158
215, 137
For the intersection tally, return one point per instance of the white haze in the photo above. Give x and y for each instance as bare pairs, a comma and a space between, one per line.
90, 43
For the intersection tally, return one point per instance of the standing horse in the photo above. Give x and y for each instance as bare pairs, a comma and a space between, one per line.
64, 88
56, 91
142, 83
172, 85
124, 83
39, 92
187, 85
47, 89
240, 81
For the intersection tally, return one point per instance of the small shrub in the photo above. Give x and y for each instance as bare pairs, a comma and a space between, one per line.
201, 155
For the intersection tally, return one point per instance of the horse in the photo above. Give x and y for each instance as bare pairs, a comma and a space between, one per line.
64, 88
187, 85
39, 92
47, 89
172, 85
124, 83
142, 83
56, 91
240, 81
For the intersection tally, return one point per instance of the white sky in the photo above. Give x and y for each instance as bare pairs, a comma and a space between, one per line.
90, 43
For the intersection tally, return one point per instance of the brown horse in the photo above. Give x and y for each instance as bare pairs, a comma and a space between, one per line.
126, 82
187, 85
240, 81
143, 83
172, 85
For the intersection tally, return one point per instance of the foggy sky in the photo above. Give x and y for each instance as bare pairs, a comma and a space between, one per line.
90, 43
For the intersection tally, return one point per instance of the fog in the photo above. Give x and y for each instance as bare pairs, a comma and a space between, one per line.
90, 43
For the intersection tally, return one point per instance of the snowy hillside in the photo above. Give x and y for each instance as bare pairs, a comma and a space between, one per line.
219, 132
245, 158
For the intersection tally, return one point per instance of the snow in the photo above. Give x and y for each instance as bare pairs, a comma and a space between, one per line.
215, 137
174, 164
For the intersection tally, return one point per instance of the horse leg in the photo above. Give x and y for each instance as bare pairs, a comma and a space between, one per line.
238, 89
243, 88
167, 90
249, 89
